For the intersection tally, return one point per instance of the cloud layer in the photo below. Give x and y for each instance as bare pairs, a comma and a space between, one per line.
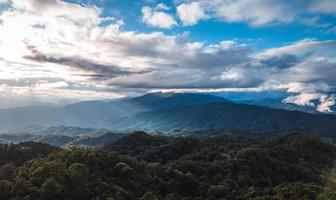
54, 52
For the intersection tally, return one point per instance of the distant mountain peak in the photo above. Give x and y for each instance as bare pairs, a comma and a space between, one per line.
152, 96
164, 95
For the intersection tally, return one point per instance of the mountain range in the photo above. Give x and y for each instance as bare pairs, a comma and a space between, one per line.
165, 112
279, 104
91, 113
273, 100
228, 116
62, 138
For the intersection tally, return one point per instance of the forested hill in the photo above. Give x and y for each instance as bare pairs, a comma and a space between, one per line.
219, 116
147, 167
18, 154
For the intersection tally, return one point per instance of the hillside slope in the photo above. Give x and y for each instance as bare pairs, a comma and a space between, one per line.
94, 113
291, 167
219, 116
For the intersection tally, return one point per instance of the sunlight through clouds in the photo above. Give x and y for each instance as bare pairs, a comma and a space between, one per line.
43, 44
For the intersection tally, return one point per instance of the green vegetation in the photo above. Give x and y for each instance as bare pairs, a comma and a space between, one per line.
20, 153
141, 166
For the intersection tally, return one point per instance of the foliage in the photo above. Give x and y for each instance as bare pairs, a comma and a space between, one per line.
207, 167
22, 152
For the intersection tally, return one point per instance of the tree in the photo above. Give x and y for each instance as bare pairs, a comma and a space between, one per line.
50, 189
5, 189
149, 196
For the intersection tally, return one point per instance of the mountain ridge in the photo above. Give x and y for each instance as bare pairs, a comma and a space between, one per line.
89, 113
172, 112
217, 116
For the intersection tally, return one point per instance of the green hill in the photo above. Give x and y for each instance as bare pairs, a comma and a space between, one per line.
291, 167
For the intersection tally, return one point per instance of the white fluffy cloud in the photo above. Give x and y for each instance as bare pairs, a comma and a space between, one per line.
323, 102
260, 12
326, 103
161, 6
157, 18
303, 99
191, 13
256, 13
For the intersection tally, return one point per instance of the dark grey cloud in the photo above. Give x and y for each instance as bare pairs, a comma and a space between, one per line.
245, 77
100, 71
225, 65
221, 57
282, 61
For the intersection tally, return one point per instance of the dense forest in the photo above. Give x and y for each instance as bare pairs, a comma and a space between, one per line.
149, 167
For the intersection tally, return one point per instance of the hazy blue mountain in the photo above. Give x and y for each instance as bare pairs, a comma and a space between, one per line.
61, 136
95, 140
56, 136
252, 96
277, 103
10, 102
161, 112
16, 137
92, 113
158, 101
55, 140
83, 114
55, 130
271, 100
220, 116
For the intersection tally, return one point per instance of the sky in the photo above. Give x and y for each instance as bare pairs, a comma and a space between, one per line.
61, 51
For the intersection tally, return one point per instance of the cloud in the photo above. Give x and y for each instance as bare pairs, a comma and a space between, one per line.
191, 13
322, 6
305, 68
322, 102
100, 70
300, 48
95, 56
252, 12
35, 5
326, 103
303, 99
47, 85
161, 6
262, 12
318, 95
13, 96
305, 62
157, 18
58, 8
300, 87
282, 61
